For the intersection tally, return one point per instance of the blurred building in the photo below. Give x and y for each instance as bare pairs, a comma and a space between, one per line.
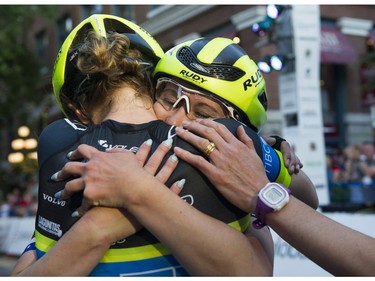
347, 35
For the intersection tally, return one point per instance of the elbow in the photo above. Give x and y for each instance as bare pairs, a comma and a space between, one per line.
313, 201
304, 190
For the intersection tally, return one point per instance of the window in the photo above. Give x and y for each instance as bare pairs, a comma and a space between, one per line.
124, 11
41, 45
64, 26
88, 10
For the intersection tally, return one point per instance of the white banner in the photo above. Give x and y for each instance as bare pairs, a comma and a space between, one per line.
15, 234
290, 262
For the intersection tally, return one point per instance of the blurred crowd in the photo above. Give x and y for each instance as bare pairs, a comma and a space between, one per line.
353, 167
21, 201
354, 163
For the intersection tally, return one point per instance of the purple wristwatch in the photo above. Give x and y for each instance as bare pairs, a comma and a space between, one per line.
271, 198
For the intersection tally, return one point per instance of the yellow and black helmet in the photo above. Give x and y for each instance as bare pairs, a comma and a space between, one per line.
103, 24
223, 68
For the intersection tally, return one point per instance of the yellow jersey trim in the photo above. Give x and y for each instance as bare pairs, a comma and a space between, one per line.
44, 244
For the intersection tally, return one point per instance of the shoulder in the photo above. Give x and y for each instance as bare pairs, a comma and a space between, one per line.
61, 130
62, 124
160, 131
57, 135
232, 126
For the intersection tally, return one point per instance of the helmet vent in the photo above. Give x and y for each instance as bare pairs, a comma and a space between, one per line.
263, 99
222, 72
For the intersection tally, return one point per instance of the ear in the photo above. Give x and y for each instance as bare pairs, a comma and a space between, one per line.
81, 116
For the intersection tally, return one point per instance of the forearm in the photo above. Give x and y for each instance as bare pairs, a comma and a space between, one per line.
335, 247
69, 257
82, 247
203, 245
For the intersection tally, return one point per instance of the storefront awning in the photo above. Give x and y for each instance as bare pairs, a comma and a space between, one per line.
335, 47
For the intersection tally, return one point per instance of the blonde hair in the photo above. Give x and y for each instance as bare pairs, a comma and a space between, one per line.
105, 64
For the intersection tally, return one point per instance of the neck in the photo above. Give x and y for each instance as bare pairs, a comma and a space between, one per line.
133, 116
127, 108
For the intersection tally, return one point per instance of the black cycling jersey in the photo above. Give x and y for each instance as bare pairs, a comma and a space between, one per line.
141, 253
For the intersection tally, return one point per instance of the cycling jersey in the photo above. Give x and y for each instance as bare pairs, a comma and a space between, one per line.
140, 254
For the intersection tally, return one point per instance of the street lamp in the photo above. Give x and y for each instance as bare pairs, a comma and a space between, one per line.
274, 11
264, 64
23, 131
23, 146
275, 62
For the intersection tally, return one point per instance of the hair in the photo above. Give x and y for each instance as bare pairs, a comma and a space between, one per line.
102, 65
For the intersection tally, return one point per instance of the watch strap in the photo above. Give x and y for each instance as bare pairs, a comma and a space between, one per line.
260, 212
262, 209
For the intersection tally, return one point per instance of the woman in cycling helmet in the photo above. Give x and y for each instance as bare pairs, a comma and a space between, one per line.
220, 70
103, 80
215, 78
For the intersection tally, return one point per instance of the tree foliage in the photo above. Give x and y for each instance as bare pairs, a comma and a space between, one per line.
21, 81
20, 68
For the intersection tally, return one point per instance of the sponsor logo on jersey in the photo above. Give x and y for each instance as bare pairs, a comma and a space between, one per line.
106, 145
270, 161
49, 226
53, 200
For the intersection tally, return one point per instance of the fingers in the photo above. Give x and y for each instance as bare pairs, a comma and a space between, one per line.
291, 160
80, 211
144, 151
201, 142
177, 186
242, 136
72, 169
210, 130
157, 157
71, 187
195, 160
270, 140
83, 151
167, 169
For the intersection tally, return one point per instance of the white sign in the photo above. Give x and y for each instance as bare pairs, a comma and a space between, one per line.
300, 98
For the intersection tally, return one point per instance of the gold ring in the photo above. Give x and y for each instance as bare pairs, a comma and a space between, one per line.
210, 147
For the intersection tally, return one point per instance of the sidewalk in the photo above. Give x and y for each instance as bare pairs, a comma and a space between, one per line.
6, 264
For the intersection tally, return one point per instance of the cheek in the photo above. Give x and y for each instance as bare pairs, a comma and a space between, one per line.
160, 112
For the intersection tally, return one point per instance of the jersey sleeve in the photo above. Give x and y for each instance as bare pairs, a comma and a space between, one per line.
31, 246
272, 159
56, 136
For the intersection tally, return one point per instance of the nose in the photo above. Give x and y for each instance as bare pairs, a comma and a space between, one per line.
177, 116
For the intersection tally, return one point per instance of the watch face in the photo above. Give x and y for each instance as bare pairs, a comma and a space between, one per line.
274, 195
